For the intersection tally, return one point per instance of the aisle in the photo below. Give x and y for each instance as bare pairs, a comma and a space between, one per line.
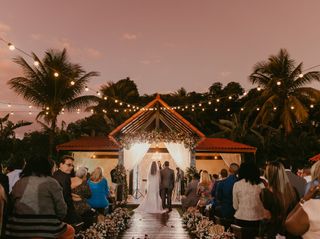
160, 226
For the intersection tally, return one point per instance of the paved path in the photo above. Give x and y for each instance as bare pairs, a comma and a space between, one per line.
156, 226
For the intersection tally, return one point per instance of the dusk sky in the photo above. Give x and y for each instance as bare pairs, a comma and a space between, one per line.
162, 45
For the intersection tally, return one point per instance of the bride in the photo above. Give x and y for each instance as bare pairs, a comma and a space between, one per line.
152, 202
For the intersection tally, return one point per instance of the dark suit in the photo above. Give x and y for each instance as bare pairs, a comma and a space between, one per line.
297, 182
65, 182
166, 186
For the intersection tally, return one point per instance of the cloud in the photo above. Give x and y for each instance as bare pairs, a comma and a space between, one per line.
93, 53
150, 61
129, 36
4, 27
225, 73
36, 36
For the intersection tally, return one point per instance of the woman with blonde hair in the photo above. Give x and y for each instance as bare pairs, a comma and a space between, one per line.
204, 190
99, 191
279, 198
315, 177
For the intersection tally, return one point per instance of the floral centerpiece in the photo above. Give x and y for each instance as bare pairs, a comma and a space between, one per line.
202, 227
110, 228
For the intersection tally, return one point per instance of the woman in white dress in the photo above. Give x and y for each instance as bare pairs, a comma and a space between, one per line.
152, 202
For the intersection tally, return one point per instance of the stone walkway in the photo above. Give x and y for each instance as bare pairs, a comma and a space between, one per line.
156, 226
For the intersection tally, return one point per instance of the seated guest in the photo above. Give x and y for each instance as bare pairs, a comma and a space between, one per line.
3, 211
279, 198
38, 204
204, 189
224, 197
315, 177
16, 165
4, 181
246, 196
99, 191
191, 197
62, 175
80, 192
304, 220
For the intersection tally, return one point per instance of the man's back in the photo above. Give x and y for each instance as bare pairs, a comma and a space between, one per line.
297, 182
167, 178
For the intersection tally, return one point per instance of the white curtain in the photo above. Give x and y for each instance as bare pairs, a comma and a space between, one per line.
134, 155
231, 158
180, 154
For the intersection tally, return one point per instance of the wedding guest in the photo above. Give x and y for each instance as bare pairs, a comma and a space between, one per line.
99, 191
80, 192
16, 165
4, 181
62, 175
299, 183
307, 174
3, 211
304, 220
38, 204
224, 197
204, 189
315, 177
246, 196
279, 198
191, 197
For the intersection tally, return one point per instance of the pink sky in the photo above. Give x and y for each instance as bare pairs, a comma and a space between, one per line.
162, 45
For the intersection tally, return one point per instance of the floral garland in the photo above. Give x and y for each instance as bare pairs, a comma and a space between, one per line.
113, 224
156, 136
202, 227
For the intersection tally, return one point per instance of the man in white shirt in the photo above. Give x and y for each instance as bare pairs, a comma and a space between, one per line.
17, 166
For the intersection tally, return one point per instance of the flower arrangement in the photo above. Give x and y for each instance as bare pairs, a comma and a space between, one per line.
202, 227
110, 228
190, 171
156, 136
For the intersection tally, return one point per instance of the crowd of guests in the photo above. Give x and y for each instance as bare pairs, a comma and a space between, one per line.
274, 201
40, 200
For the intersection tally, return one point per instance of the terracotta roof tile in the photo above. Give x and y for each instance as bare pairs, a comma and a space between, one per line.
315, 158
223, 145
87, 143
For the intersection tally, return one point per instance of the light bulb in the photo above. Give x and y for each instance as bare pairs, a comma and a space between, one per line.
36, 63
86, 88
11, 47
56, 74
278, 82
72, 82
300, 75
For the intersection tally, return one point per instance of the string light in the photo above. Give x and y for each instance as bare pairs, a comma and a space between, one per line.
300, 75
86, 88
11, 46
56, 74
259, 88
278, 82
36, 63
311, 106
72, 82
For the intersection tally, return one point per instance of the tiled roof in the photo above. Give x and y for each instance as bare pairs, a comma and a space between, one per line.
315, 158
87, 143
223, 145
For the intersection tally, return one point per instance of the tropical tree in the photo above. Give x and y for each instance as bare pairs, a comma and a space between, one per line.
285, 99
54, 85
7, 127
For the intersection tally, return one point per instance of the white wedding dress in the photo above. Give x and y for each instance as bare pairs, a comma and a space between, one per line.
152, 201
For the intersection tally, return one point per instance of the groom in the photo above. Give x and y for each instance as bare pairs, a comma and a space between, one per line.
166, 185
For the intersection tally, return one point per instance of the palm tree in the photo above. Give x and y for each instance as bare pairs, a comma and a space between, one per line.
7, 127
52, 92
285, 99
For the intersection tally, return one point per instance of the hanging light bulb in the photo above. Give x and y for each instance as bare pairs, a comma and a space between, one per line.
56, 74
105, 98
259, 88
200, 104
278, 82
242, 109
30, 113
209, 102
120, 103
98, 93
86, 88
115, 101
30, 106
216, 109
11, 47
36, 63
9, 105
292, 107
47, 108
218, 100
228, 109
72, 82
311, 106
258, 108
202, 109
192, 109
230, 97
11, 113
245, 93
274, 108
300, 75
